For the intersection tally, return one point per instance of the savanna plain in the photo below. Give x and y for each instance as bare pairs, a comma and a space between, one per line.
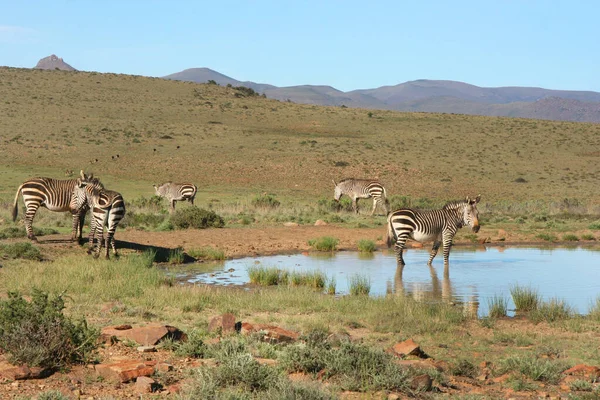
259, 164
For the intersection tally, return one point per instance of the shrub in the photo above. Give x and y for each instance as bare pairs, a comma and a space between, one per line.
595, 226
20, 250
588, 236
265, 201
330, 205
324, 243
498, 307
552, 310
464, 368
366, 246
569, 237
360, 285
533, 368
194, 217
549, 237
331, 286
39, 334
17, 232
176, 256
525, 299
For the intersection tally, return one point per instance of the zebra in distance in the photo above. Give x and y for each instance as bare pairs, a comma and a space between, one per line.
175, 192
108, 208
362, 189
53, 194
437, 225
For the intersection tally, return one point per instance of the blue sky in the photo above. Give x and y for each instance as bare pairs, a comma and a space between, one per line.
346, 44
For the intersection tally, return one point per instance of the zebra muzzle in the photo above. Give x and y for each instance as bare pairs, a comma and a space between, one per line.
476, 228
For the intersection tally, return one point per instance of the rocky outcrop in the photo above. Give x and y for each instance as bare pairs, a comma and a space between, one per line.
53, 62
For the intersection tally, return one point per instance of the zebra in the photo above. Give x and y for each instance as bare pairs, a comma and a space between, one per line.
437, 225
108, 207
175, 192
53, 194
362, 189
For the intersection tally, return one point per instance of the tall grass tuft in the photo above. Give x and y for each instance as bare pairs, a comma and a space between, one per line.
24, 250
525, 299
331, 286
552, 310
314, 279
360, 285
498, 307
176, 256
366, 246
265, 276
324, 243
207, 253
532, 367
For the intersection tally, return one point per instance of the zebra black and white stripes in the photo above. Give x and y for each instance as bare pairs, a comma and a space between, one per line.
53, 194
175, 192
437, 225
362, 189
108, 208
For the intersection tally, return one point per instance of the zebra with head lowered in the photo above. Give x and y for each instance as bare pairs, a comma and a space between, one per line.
437, 225
362, 189
108, 208
175, 192
53, 194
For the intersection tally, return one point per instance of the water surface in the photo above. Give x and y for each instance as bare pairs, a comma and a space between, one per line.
475, 274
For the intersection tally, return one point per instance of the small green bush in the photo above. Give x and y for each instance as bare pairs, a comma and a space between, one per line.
324, 243
498, 307
549, 237
52, 395
569, 237
17, 232
525, 299
331, 286
360, 285
39, 334
588, 236
207, 253
176, 256
265, 201
595, 226
534, 368
464, 368
194, 217
552, 310
23, 250
366, 246
266, 276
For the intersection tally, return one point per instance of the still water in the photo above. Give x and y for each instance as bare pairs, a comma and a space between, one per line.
475, 274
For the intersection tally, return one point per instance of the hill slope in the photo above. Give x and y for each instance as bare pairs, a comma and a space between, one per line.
53, 62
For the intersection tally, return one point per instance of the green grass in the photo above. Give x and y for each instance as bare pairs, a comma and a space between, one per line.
270, 276
549, 237
324, 243
569, 237
366, 246
176, 256
24, 250
498, 307
207, 253
533, 368
360, 285
551, 311
525, 299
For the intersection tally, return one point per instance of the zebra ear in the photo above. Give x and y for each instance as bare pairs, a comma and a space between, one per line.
82, 174
335, 184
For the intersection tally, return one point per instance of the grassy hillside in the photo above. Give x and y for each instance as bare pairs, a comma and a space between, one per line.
230, 144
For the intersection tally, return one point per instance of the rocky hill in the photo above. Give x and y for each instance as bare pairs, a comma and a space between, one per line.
54, 62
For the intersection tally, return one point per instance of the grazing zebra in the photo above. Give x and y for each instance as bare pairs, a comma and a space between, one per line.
55, 195
108, 208
175, 192
437, 225
362, 189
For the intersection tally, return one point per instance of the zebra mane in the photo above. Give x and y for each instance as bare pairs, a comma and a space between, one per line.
454, 204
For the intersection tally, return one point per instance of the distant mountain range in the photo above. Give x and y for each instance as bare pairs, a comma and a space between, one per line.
430, 96
420, 95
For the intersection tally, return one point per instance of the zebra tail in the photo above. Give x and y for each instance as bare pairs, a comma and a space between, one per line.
15, 210
390, 232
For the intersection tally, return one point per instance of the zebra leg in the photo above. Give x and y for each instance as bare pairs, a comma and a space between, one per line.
355, 204
173, 205
375, 201
399, 247
434, 251
447, 241
29, 215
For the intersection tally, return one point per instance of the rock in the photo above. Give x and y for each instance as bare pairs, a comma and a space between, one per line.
421, 383
15, 373
290, 224
419, 364
407, 348
246, 328
124, 371
584, 370
145, 335
143, 384
320, 222
273, 334
224, 323
266, 361
336, 339
163, 367
146, 349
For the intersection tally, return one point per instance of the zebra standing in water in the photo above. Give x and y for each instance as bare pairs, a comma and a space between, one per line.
175, 192
362, 189
437, 225
108, 208
55, 195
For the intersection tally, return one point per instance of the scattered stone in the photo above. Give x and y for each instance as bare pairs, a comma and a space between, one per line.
583, 369
124, 371
163, 367
145, 335
146, 349
407, 348
143, 384
421, 383
320, 222
224, 323
272, 334
290, 224
266, 361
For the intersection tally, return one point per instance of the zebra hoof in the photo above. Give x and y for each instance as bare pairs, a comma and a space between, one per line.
89, 251
96, 255
32, 238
